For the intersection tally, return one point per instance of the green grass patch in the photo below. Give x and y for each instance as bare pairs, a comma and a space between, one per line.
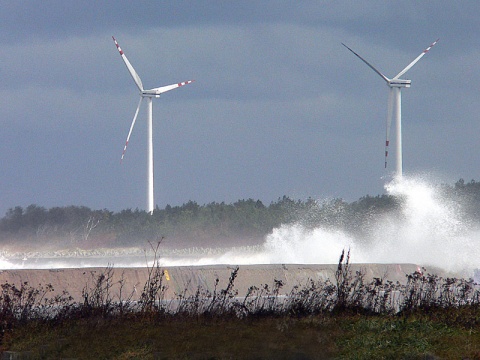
340, 336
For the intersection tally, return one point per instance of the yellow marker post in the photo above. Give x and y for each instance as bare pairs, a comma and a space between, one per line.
166, 275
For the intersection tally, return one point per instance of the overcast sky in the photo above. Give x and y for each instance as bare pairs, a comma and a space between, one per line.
279, 106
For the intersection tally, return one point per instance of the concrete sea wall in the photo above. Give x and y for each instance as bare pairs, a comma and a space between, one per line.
188, 278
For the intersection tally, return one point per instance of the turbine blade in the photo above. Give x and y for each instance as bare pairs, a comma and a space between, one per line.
370, 65
162, 89
130, 68
131, 127
389, 123
409, 66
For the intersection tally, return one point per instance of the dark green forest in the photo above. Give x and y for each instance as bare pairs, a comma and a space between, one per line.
244, 222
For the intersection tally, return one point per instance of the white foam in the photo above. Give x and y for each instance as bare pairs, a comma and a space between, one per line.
5, 264
430, 232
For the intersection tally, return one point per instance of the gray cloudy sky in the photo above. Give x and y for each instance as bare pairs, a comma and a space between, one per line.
279, 106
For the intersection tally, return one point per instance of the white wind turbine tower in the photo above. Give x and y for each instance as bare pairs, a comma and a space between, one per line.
148, 94
394, 104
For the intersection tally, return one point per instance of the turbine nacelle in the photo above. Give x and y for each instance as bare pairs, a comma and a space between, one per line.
156, 92
150, 94
399, 83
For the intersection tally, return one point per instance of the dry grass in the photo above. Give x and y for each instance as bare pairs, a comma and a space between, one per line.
428, 318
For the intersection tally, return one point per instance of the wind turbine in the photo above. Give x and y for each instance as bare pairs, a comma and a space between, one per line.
148, 94
395, 104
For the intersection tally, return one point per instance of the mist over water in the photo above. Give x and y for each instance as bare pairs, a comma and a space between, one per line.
429, 230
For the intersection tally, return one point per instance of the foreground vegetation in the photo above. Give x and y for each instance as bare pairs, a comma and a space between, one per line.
342, 336
427, 317
245, 222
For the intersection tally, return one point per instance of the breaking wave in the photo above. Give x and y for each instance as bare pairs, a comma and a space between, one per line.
429, 231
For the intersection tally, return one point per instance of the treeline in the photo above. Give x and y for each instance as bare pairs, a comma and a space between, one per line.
245, 222
213, 224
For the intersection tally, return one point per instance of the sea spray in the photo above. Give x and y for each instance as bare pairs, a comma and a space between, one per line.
299, 245
288, 244
429, 229
426, 227
432, 230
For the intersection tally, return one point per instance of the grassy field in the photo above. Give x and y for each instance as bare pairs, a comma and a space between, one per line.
437, 335
428, 317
